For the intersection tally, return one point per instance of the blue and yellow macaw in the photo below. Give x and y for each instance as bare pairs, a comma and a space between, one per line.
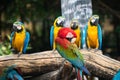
58, 24
65, 45
19, 38
11, 73
92, 34
117, 76
74, 25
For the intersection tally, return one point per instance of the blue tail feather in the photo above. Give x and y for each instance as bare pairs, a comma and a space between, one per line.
14, 75
85, 70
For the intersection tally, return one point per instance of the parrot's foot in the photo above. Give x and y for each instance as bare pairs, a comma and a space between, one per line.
96, 50
84, 49
12, 49
89, 49
79, 48
53, 51
19, 54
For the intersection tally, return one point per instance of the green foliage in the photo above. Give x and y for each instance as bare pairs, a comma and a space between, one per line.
118, 29
5, 48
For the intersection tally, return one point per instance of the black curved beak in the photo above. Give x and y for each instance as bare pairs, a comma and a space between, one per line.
74, 26
69, 39
61, 24
96, 22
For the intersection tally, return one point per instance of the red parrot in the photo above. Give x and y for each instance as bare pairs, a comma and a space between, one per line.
65, 45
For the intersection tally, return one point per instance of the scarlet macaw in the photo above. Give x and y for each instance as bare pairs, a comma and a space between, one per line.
65, 44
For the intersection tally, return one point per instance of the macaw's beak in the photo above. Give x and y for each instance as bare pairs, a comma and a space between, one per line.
60, 24
72, 40
94, 22
74, 26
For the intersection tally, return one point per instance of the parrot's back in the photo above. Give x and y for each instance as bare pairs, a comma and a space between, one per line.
70, 52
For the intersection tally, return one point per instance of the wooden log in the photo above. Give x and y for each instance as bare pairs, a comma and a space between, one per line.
47, 61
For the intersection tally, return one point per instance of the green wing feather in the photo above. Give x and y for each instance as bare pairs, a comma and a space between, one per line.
75, 51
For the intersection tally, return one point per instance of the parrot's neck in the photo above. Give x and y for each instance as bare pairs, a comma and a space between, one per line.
63, 42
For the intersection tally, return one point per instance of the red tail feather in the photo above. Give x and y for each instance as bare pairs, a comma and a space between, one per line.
78, 75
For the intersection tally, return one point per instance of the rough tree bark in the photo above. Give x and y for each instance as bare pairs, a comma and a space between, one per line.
45, 62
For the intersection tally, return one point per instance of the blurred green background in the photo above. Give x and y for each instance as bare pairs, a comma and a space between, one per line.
39, 15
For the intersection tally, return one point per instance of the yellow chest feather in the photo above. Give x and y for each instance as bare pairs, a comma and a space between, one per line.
92, 33
18, 41
78, 39
56, 31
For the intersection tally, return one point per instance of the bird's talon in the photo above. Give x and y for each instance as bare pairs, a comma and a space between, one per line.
96, 50
53, 51
19, 54
89, 49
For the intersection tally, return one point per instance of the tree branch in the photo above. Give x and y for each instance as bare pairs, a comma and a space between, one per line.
45, 62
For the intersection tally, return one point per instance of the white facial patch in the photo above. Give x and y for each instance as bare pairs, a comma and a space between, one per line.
60, 19
69, 35
93, 20
73, 40
19, 27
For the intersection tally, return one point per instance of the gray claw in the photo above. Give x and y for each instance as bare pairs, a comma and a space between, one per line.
89, 49
96, 50
19, 54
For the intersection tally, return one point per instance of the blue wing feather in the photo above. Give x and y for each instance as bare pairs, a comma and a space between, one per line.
116, 76
51, 35
11, 36
13, 74
84, 35
27, 39
100, 36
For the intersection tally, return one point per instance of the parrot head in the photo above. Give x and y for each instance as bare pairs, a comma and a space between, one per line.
74, 24
18, 26
94, 20
67, 33
59, 22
